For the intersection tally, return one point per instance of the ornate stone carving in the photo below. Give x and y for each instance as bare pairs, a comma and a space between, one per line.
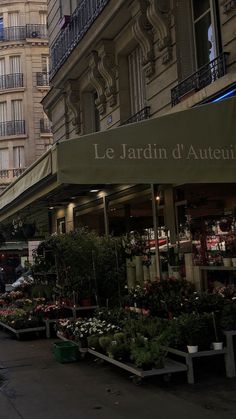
97, 82
158, 13
144, 35
72, 96
107, 68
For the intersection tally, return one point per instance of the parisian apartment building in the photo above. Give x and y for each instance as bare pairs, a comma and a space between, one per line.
115, 61
25, 131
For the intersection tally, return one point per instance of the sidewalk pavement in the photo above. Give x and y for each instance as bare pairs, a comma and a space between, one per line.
35, 386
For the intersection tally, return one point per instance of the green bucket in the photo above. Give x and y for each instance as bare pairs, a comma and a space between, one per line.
66, 351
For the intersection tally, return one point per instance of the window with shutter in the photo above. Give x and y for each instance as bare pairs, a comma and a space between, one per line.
18, 157
136, 81
205, 31
4, 159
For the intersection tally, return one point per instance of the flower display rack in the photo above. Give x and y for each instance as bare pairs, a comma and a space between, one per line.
190, 356
170, 367
18, 332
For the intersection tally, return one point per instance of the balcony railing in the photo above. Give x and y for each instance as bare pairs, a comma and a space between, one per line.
81, 20
18, 33
45, 126
12, 128
11, 81
42, 79
9, 174
36, 31
139, 116
200, 79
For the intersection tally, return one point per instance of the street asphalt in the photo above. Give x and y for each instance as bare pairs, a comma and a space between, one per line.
33, 385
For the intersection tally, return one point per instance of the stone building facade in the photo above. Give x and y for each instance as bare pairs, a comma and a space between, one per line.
25, 131
115, 62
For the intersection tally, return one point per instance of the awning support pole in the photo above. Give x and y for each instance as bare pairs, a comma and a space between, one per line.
155, 225
106, 221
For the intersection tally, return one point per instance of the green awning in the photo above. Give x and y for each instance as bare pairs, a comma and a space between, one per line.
194, 146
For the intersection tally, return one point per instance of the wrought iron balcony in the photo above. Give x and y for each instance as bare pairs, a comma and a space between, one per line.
13, 33
9, 174
201, 78
12, 128
17, 33
80, 22
139, 116
42, 79
45, 126
11, 81
36, 31
229, 5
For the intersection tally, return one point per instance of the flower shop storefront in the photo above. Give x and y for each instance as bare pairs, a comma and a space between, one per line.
157, 178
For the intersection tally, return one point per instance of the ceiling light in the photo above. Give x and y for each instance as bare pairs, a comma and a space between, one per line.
94, 190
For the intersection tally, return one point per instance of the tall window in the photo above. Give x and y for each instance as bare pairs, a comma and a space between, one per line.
18, 157
3, 118
1, 28
2, 73
13, 19
15, 64
136, 81
4, 159
45, 63
205, 31
16, 110
43, 18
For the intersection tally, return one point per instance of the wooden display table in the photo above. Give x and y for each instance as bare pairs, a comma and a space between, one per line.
189, 360
170, 367
18, 332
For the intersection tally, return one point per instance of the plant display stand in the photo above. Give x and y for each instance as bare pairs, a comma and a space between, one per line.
190, 356
18, 332
170, 367
229, 334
